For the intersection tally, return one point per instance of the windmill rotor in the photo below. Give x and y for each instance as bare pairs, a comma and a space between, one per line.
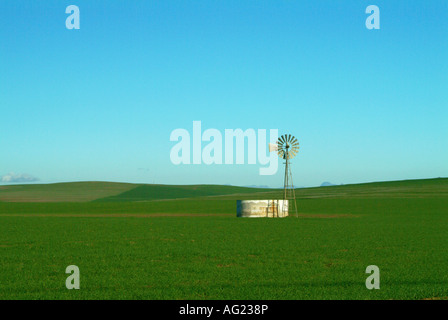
288, 146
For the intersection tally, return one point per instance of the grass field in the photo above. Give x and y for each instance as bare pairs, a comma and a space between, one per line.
185, 242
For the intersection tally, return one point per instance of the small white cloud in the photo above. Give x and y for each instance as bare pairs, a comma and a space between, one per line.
14, 178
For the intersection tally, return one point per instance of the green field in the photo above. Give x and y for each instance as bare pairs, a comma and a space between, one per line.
184, 242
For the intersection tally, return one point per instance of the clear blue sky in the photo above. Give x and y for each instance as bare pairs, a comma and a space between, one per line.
100, 103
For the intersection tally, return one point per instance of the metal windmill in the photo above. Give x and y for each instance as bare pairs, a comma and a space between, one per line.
287, 147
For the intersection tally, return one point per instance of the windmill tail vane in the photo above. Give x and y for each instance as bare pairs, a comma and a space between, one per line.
273, 147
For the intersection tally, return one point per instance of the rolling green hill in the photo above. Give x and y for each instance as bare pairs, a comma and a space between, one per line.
62, 192
165, 192
125, 192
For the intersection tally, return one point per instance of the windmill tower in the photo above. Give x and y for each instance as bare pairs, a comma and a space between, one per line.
287, 147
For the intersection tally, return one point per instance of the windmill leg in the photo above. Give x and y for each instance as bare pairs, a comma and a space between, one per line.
286, 184
293, 194
285, 181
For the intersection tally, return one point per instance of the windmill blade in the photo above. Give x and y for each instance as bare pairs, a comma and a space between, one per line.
282, 139
289, 137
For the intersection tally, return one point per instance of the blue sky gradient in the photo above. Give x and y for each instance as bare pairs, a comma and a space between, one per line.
100, 103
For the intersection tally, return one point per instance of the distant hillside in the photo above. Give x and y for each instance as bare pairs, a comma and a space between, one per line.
112, 191
62, 192
127, 192
164, 192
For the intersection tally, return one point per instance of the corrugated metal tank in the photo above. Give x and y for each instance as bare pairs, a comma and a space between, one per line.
262, 208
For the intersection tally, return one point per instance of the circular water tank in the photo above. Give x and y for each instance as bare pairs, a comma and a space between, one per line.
262, 208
